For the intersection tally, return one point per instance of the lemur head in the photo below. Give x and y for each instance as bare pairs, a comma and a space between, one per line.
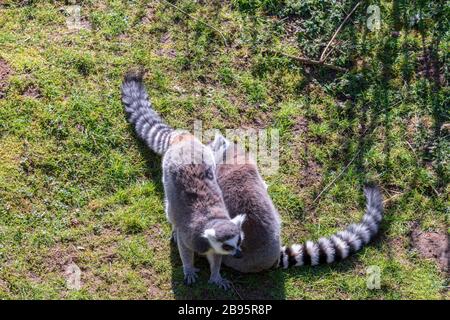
225, 236
219, 147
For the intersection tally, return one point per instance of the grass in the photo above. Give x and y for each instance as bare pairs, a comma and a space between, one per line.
77, 186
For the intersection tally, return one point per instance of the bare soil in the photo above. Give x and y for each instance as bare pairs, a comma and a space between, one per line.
32, 92
432, 245
5, 72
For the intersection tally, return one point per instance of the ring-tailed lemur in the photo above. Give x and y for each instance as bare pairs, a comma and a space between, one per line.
194, 203
245, 191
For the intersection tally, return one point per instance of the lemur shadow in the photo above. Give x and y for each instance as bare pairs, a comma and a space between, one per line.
153, 165
267, 285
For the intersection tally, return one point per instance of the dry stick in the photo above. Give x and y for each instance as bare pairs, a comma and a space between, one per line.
328, 53
308, 61
394, 197
337, 177
337, 31
196, 19
237, 292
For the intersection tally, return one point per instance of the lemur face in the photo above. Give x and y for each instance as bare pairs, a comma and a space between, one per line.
226, 236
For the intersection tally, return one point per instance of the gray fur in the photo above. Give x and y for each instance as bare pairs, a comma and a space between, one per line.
244, 191
147, 123
194, 203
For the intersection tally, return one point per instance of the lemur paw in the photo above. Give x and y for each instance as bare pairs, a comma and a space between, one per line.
220, 282
190, 276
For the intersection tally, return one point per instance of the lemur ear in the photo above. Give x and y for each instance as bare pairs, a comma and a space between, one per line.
239, 220
219, 143
209, 233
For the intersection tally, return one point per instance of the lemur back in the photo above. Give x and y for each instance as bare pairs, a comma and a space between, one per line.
194, 203
242, 189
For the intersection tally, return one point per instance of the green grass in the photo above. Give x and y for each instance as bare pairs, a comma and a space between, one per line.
76, 185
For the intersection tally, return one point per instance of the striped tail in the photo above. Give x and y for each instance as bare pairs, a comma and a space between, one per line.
148, 124
342, 244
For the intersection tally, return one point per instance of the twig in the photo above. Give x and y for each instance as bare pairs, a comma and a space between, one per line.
328, 53
237, 292
322, 56
393, 197
199, 20
308, 61
337, 177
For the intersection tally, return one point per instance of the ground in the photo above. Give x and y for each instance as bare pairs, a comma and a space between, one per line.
78, 190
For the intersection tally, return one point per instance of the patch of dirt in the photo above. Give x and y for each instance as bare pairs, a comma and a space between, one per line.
397, 248
63, 260
292, 27
159, 241
154, 291
242, 57
311, 174
417, 125
59, 257
104, 245
432, 245
149, 15
32, 92
167, 47
300, 126
34, 277
257, 122
5, 72
429, 66
4, 285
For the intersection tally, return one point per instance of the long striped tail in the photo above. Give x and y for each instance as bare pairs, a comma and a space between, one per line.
342, 244
148, 124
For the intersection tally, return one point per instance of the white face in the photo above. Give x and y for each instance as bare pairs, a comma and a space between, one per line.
225, 248
229, 247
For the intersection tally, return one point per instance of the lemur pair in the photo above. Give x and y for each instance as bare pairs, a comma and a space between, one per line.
222, 210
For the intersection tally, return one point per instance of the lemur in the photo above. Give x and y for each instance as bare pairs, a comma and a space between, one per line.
193, 200
245, 191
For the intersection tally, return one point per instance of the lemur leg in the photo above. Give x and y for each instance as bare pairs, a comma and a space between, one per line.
173, 235
187, 257
215, 262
